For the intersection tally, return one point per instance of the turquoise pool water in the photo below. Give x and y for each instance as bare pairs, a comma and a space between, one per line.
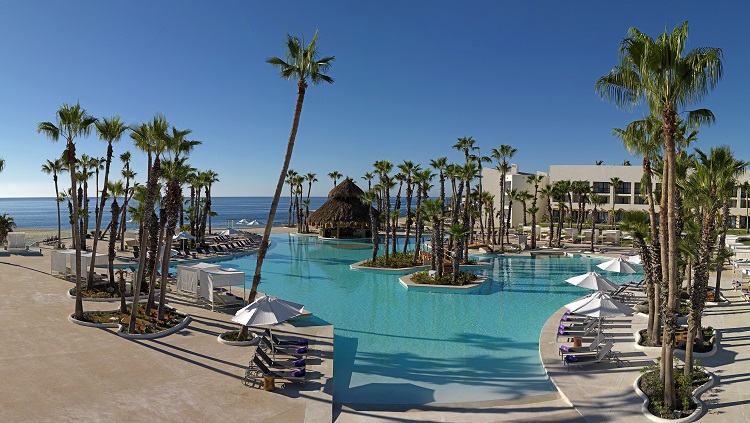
403, 347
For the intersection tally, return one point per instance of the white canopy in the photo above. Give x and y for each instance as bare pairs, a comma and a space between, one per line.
634, 259
229, 231
592, 280
215, 278
100, 260
16, 240
182, 235
59, 260
188, 276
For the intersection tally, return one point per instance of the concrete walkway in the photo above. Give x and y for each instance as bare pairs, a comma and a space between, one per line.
53, 370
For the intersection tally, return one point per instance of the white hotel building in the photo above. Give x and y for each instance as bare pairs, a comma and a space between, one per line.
626, 197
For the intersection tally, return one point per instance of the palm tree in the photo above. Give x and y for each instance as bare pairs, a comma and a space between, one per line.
746, 191
502, 154
626, 163
547, 192
582, 189
408, 168
115, 189
656, 73
6, 225
523, 197
368, 198
457, 234
383, 168
303, 64
513, 195
128, 174
290, 175
431, 210
310, 178
614, 183
422, 180
55, 167
335, 175
211, 178
2, 164
368, 177
109, 130
71, 122
535, 180
596, 201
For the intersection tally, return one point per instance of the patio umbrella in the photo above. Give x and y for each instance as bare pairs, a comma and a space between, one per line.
229, 231
182, 236
267, 310
617, 265
634, 259
592, 280
598, 306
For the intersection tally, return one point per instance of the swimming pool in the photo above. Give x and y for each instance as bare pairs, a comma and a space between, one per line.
394, 346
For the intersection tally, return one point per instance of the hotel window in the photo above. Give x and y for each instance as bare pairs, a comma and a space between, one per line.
639, 200
624, 188
637, 188
601, 187
623, 200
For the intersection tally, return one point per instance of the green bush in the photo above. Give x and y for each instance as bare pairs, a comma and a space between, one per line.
684, 386
395, 261
447, 279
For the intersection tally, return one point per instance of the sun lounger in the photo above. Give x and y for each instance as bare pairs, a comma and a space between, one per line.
281, 364
283, 342
299, 352
575, 329
294, 376
605, 353
566, 350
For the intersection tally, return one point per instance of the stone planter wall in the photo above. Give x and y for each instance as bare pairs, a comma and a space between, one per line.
697, 392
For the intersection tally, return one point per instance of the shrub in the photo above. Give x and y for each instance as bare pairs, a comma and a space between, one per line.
395, 261
684, 386
426, 279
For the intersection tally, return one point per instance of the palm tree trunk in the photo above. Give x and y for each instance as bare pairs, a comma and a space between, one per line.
71, 147
100, 209
59, 222
301, 87
670, 317
408, 214
719, 258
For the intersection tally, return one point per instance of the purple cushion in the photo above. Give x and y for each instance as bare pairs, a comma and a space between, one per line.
301, 350
561, 331
298, 373
571, 358
302, 342
564, 348
299, 363
565, 318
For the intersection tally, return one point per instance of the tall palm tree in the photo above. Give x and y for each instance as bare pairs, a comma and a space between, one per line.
2, 164
310, 178
72, 122
422, 180
290, 175
368, 198
547, 192
368, 177
109, 130
128, 174
746, 190
534, 180
408, 168
457, 233
501, 155
335, 175
513, 195
56, 167
656, 72
211, 178
302, 63
596, 202
7, 224
614, 183
115, 189
383, 168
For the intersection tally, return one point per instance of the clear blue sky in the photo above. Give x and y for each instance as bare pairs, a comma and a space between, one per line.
410, 76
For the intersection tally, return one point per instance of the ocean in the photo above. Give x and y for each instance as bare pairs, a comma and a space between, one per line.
41, 213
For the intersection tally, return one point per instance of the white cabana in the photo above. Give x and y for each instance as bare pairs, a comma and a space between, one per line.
611, 236
59, 260
100, 260
212, 281
188, 276
586, 235
571, 233
17, 240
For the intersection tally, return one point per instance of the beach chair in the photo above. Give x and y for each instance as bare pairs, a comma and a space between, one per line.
284, 342
576, 330
280, 364
605, 353
300, 352
293, 376
592, 348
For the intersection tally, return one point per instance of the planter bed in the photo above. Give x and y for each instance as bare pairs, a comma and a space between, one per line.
146, 328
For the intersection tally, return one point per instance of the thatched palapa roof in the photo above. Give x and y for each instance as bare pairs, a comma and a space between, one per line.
343, 205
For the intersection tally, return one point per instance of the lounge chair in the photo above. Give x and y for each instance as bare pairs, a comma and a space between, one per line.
566, 350
604, 353
294, 376
280, 364
300, 352
575, 330
282, 342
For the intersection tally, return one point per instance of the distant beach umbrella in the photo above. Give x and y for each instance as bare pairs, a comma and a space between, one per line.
182, 235
634, 259
617, 265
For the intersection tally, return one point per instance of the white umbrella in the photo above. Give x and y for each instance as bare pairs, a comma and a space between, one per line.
229, 231
254, 222
242, 222
267, 310
599, 305
182, 235
634, 259
593, 280
617, 265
